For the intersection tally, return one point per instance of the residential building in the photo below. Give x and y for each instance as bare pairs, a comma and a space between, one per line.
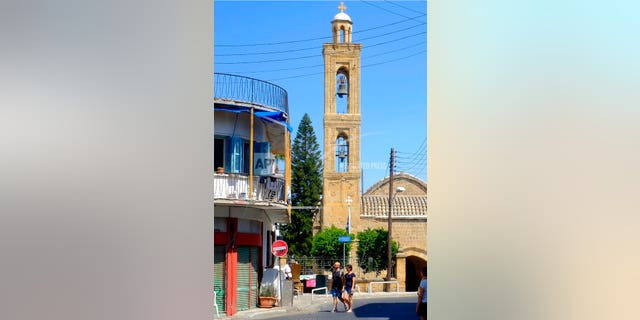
251, 184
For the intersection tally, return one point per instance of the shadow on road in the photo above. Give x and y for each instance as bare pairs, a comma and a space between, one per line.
392, 311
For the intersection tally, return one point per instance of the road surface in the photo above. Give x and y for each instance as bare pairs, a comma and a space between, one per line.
374, 308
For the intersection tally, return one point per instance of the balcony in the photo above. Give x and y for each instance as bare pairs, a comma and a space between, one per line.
234, 90
266, 189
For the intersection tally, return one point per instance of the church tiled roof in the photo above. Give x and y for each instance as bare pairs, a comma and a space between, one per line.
404, 206
412, 203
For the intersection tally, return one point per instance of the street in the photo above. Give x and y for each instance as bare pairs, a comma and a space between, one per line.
378, 307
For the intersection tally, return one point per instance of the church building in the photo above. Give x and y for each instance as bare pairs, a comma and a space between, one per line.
342, 199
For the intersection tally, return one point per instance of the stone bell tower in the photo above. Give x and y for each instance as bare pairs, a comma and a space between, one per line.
341, 174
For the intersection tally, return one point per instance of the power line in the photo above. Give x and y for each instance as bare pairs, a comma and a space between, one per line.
314, 47
393, 40
393, 32
270, 52
401, 6
400, 49
422, 144
364, 66
274, 70
319, 65
394, 60
272, 60
381, 8
412, 160
312, 56
317, 38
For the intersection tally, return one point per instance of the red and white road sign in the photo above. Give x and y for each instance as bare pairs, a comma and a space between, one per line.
279, 248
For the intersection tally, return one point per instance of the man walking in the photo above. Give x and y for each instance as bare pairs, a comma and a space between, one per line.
337, 286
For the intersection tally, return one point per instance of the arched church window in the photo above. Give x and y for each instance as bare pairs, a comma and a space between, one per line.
342, 154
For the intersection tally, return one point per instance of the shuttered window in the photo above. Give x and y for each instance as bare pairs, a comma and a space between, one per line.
247, 293
219, 276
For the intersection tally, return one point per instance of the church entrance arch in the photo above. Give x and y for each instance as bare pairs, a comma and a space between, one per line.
412, 271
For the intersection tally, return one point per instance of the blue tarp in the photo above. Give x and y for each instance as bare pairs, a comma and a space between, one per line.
273, 116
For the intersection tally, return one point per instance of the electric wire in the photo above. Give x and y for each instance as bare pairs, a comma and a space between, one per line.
319, 65
387, 10
364, 66
314, 39
312, 56
314, 48
401, 6
414, 163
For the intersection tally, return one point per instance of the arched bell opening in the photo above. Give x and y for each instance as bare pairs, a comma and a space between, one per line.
342, 153
342, 91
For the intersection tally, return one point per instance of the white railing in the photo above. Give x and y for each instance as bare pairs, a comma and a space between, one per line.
381, 282
236, 186
313, 291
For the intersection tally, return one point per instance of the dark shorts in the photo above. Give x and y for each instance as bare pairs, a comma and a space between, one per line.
422, 309
336, 292
348, 290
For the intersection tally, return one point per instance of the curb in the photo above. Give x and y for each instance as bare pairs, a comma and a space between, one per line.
305, 304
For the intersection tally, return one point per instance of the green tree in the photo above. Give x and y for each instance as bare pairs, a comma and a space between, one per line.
326, 244
372, 249
306, 187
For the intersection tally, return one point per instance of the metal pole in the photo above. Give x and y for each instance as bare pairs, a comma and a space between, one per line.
349, 211
344, 262
389, 253
343, 255
280, 281
250, 195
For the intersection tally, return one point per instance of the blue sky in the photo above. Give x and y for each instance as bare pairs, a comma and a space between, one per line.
394, 68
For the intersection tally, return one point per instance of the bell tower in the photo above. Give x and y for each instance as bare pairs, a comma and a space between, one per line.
341, 173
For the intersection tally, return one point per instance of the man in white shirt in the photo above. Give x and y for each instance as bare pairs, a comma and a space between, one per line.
287, 270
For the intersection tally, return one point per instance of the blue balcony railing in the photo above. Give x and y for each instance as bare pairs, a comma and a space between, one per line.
254, 91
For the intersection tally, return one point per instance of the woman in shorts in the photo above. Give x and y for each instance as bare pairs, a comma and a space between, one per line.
349, 281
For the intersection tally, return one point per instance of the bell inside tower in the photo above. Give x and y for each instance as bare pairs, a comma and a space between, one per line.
342, 93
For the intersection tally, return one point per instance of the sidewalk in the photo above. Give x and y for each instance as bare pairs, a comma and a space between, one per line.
300, 303
306, 304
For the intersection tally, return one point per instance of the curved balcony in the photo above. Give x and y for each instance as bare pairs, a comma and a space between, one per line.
235, 186
244, 90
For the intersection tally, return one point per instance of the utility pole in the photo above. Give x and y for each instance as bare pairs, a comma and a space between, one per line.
389, 247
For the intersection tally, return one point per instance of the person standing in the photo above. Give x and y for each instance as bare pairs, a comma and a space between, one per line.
337, 286
348, 286
287, 270
421, 306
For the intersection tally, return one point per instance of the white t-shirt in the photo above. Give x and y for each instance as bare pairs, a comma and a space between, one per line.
287, 271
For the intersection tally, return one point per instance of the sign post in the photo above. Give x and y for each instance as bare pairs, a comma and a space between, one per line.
344, 240
279, 248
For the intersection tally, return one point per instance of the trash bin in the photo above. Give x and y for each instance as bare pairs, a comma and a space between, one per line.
321, 281
287, 293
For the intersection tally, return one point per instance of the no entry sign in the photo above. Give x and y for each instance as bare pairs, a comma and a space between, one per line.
279, 248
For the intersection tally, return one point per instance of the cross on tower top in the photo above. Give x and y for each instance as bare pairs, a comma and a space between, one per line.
341, 7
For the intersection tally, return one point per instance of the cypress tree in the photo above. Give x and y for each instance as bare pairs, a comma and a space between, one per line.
306, 187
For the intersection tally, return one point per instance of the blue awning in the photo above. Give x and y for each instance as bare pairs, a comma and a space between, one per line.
273, 116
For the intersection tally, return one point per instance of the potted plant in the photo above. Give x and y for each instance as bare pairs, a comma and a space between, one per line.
268, 295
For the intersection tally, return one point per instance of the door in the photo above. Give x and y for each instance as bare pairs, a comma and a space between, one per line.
219, 277
247, 278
